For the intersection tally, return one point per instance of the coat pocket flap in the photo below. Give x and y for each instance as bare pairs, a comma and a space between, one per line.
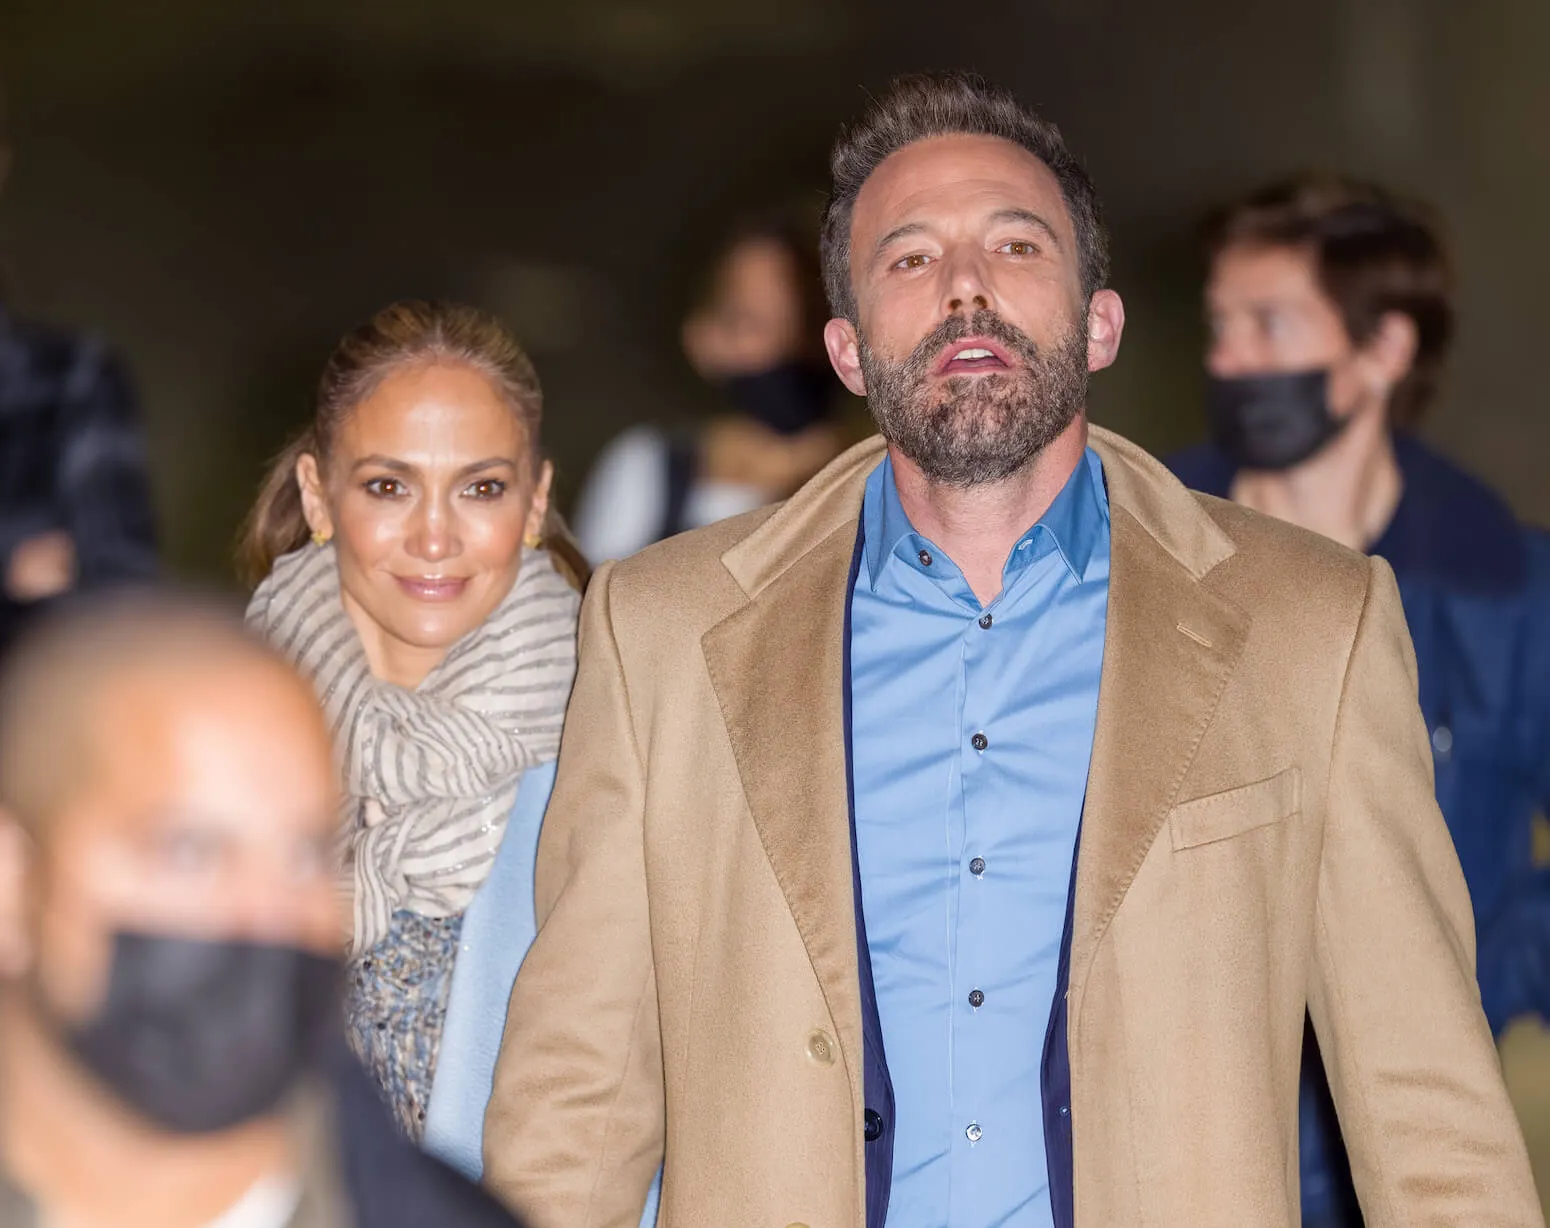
1220, 816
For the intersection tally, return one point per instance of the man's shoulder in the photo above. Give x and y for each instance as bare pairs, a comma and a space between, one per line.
678, 586
1280, 567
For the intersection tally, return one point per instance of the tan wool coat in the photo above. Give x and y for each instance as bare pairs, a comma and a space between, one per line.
1260, 840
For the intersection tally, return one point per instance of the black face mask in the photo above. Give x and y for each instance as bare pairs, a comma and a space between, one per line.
201, 1036
788, 399
1271, 421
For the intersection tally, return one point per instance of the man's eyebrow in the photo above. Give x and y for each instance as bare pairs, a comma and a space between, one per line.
897, 233
1029, 218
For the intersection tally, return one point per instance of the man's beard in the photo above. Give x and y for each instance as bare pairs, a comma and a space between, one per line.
974, 429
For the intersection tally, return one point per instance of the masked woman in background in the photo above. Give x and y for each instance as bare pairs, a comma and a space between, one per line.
411, 567
754, 333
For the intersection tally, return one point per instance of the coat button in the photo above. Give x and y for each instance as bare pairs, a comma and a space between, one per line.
979, 741
820, 1048
873, 1127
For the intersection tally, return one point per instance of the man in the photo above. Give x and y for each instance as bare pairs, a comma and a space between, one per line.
75, 498
168, 936
1123, 781
1331, 313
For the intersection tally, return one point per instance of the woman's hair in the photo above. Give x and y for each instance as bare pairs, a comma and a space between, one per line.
404, 334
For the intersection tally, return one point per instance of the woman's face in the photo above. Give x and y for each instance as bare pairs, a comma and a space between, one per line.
428, 493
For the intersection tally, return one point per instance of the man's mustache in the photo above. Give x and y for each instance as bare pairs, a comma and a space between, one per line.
983, 323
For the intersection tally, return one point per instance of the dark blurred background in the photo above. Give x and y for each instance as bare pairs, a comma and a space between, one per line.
222, 188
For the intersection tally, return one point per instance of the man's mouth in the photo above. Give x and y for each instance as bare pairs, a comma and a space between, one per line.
975, 354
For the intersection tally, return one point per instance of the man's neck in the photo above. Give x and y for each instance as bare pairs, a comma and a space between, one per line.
1347, 491
978, 526
83, 1160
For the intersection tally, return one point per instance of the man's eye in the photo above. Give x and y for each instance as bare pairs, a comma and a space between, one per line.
916, 260
384, 488
188, 852
486, 488
1020, 247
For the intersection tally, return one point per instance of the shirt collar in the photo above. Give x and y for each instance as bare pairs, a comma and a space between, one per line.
1073, 524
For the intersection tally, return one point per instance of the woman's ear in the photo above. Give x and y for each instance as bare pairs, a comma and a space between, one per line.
314, 505
538, 509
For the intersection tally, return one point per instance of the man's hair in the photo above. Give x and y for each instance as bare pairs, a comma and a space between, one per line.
950, 104
56, 673
1374, 254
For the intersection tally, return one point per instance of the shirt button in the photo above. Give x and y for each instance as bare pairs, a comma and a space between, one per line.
979, 741
1065, 1110
977, 866
820, 1048
976, 998
974, 1133
872, 1127
985, 621
925, 558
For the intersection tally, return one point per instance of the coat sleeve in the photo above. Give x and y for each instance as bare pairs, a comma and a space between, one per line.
1416, 1080
574, 1130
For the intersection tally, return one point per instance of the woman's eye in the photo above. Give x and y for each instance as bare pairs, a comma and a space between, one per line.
487, 488
916, 260
384, 488
1019, 247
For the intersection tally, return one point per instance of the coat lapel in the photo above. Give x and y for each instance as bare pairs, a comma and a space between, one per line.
1170, 647
776, 665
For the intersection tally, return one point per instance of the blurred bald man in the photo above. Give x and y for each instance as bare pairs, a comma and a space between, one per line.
169, 930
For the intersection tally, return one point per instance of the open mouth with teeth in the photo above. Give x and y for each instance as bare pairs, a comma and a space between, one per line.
966, 357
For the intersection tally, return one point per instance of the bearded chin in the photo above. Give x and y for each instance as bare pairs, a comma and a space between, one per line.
976, 430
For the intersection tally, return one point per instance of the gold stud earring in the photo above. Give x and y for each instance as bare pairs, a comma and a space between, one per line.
532, 541
320, 539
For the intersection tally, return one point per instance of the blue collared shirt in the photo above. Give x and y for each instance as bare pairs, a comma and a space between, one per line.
972, 730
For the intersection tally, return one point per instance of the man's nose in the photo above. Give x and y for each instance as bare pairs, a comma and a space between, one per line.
968, 284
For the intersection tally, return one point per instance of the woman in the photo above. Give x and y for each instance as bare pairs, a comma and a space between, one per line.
413, 569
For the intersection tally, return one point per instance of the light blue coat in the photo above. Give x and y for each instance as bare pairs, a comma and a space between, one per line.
498, 928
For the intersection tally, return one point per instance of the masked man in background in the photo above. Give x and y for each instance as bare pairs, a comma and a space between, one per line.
1330, 306
169, 931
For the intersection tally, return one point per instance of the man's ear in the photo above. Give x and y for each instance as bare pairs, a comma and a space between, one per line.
16, 859
1105, 326
844, 345
1389, 354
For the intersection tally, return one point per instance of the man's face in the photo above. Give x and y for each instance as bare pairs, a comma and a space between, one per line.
1268, 315
972, 341
207, 811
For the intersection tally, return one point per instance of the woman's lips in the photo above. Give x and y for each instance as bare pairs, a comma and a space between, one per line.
432, 588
